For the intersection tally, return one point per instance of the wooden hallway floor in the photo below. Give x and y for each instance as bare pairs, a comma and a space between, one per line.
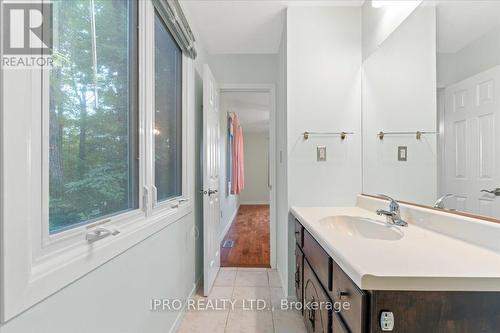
250, 233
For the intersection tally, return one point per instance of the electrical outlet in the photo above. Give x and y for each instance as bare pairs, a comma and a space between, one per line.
402, 153
387, 321
321, 153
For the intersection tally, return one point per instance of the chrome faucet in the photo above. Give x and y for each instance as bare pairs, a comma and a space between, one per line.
393, 216
440, 202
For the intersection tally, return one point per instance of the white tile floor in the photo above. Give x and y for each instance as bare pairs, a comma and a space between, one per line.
239, 284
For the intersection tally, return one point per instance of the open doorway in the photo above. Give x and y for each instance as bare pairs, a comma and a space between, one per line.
247, 211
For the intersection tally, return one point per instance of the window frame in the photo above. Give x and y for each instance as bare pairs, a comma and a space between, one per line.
35, 264
165, 205
119, 219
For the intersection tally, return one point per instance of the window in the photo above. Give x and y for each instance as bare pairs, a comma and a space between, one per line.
168, 114
90, 147
93, 166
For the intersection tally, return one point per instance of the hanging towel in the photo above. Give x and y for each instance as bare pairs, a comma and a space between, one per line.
229, 152
238, 168
234, 172
241, 161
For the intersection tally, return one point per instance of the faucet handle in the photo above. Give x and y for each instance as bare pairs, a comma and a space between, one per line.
440, 202
385, 197
394, 206
495, 191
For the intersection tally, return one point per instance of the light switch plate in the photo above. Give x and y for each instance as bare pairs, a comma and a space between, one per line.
402, 153
321, 153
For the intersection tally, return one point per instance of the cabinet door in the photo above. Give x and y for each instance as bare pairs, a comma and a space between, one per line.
346, 291
299, 273
299, 234
319, 260
337, 324
316, 318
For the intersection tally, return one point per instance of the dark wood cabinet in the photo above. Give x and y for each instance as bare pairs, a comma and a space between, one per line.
299, 273
437, 311
346, 291
319, 278
299, 234
338, 325
320, 261
315, 312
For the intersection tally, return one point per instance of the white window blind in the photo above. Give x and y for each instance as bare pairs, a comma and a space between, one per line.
176, 22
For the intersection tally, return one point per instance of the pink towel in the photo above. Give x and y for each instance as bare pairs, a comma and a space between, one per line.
238, 166
241, 164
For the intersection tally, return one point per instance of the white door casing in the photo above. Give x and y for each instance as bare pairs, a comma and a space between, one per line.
211, 191
472, 143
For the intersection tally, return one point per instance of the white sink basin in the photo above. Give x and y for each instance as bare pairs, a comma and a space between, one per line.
362, 227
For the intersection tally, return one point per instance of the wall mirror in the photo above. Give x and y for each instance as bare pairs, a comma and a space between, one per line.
431, 109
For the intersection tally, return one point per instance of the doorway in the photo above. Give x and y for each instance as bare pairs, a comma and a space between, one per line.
247, 217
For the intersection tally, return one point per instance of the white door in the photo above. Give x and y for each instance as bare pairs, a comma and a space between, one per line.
472, 143
211, 191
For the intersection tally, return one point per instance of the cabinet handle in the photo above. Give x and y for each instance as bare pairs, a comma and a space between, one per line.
297, 275
342, 295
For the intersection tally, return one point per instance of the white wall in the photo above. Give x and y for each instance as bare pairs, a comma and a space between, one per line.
324, 95
323, 89
281, 176
116, 296
244, 68
380, 23
399, 94
256, 147
476, 57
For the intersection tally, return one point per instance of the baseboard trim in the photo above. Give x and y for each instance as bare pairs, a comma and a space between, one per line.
259, 203
177, 323
231, 221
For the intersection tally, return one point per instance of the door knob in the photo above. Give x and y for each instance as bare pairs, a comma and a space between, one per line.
210, 192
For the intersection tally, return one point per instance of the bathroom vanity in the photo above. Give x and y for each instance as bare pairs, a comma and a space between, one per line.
395, 279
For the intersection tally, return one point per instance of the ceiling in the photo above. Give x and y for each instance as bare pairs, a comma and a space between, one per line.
255, 26
252, 109
244, 26
461, 22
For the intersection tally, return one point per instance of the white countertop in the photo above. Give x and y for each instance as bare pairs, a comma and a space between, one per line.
421, 260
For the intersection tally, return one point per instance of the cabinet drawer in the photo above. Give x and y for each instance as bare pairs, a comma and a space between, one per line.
299, 233
320, 261
337, 324
299, 273
316, 318
346, 291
